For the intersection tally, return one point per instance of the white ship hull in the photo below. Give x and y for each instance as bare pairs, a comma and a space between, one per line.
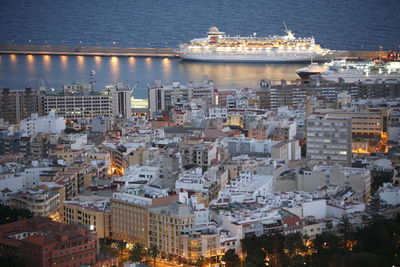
353, 78
267, 57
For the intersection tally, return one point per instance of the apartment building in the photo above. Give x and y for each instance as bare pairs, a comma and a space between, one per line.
164, 97
195, 151
130, 218
43, 242
93, 214
166, 224
16, 105
201, 243
34, 124
328, 141
114, 102
73, 107
124, 155
41, 201
16, 142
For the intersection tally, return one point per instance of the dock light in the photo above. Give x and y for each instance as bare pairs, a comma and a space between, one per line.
114, 42
30, 40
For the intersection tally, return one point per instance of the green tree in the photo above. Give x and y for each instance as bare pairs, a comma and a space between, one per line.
200, 261
154, 252
230, 258
374, 207
137, 252
12, 259
9, 215
345, 228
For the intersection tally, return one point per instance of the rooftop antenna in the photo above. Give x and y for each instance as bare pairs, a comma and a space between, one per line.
284, 24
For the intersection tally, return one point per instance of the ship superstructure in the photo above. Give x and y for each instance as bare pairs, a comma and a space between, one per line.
358, 72
218, 46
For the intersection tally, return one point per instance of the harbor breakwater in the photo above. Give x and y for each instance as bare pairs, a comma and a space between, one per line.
139, 51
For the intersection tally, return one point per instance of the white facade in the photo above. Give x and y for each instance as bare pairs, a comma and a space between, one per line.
191, 180
121, 100
315, 208
217, 113
137, 173
51, 124
390, 194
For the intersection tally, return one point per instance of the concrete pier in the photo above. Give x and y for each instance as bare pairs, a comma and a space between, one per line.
140, 52
87, 51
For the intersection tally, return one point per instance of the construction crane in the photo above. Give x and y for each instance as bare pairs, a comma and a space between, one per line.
134, 87
44, 85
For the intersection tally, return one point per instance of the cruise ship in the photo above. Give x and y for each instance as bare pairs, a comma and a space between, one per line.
359, 72
218, 46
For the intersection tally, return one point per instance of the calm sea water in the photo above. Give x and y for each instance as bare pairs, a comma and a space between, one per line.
340, 24
20, 71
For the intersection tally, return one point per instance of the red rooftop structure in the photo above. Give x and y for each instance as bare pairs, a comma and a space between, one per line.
43, 242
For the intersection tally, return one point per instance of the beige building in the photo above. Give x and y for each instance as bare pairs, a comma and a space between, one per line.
74, 178
201, 243
130, 220
124, 155
364, 122
41, 201
130, 216
258, 131
310, 229
235, 120
196, 151
165, 227
62, 151
93, 214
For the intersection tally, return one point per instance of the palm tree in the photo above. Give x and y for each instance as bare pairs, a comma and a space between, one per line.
137, 253
154, 252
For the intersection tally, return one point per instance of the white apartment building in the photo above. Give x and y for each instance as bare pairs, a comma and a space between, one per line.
217, 113
358, 179
112, 103
390, 194
191, 180
11, 182
328, 141
163, 97
50, 124
136, 173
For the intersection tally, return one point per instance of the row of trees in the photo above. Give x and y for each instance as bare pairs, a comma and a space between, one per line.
375, 245
138, 252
